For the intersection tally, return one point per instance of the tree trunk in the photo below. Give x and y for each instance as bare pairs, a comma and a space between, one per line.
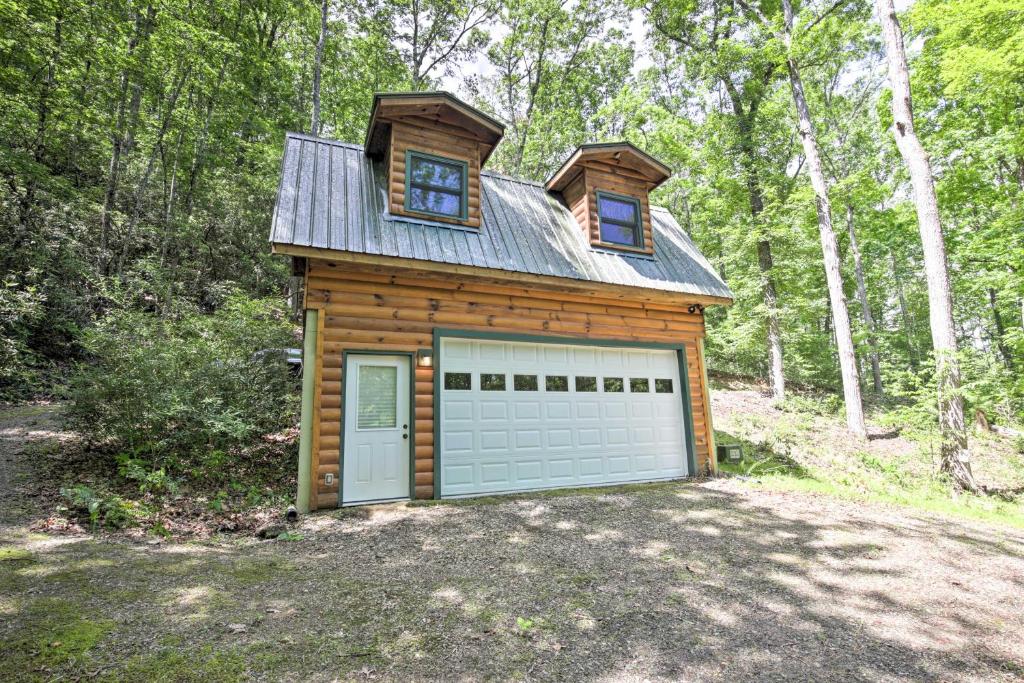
748, 155
829, 245
865, 308
905, 316
120, 139
777, 380
955, 456
1000, 328
318, 60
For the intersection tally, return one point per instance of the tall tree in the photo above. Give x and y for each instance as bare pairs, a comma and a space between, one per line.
955, 456
553, 69
434, 36
318, 61
705, 33
829, 243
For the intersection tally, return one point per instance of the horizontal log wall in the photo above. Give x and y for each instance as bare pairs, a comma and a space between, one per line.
364, 310
598, 178
429, 139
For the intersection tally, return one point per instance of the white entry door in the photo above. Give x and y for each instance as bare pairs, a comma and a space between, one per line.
517, 416
375, 453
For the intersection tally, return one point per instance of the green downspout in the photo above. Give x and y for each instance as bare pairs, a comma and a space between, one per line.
306, 421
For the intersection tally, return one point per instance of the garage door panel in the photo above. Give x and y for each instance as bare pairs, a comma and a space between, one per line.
579, 434
493, 411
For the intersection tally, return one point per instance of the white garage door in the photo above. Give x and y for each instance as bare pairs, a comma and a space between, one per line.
518, 416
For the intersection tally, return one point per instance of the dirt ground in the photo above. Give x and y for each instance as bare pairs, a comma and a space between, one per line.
711, 581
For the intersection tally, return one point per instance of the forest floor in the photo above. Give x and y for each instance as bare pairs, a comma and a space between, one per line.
724, 579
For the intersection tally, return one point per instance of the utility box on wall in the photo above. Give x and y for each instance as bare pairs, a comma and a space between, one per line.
731, 453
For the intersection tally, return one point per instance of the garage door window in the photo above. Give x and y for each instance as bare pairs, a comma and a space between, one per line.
490, 382
458, 381
639, 385
613, 384
663, 386
556, 383
586, 384
524, 382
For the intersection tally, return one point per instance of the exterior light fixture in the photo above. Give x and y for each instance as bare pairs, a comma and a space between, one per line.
425, 358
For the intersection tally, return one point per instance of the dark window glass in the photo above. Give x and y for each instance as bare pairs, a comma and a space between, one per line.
639, 385
458, 381
663, 386
556, 383
618, 210
524, 382
619, 219
492, 382
613, 384
436, 186
586, 384
435, 202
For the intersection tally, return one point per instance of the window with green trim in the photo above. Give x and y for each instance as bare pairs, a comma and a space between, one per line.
436, 186
619, 218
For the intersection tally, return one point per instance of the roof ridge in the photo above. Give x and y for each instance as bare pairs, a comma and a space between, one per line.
502, 176
326, 141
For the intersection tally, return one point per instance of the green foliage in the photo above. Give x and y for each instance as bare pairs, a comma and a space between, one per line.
108, 510
177, 394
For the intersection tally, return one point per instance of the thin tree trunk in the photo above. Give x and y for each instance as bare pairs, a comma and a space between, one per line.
745, 124
140, 191
908, 320
314, 125
955, 456
776, 378
121, 139
865, 307
829, 245
1000, 328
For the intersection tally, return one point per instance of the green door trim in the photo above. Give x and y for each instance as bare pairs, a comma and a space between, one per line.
412, 415
680, 349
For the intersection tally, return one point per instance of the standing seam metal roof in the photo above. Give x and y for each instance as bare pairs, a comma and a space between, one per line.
332, 196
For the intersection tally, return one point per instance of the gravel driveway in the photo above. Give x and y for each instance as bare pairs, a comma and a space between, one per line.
679, 581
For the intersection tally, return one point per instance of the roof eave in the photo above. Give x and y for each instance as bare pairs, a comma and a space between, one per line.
550, 281
555, 184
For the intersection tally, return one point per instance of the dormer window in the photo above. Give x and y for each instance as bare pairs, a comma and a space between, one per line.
605, 185
432, 147
435, 185
619, 217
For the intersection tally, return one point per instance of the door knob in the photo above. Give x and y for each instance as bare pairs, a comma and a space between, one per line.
405, 426
405, 436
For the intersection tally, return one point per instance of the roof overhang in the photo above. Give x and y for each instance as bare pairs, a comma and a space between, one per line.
392, 264
439, 107
617, 153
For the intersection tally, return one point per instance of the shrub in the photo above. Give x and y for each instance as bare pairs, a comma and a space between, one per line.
171, 393
108, 510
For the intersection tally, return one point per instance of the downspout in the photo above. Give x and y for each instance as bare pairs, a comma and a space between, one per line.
306, 420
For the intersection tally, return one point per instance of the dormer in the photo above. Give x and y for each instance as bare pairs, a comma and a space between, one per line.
605, 185
434, 146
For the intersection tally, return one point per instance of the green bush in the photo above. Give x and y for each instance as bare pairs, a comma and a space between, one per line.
170, 394
108, 510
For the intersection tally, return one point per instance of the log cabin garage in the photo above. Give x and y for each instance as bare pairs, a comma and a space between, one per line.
469, 333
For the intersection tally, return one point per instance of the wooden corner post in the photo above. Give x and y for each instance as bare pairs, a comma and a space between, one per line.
309, 341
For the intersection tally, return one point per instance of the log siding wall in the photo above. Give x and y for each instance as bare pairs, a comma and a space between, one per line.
581, 197
370, 309
449, 144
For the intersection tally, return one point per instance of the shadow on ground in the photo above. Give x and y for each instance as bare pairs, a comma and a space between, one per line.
670, 581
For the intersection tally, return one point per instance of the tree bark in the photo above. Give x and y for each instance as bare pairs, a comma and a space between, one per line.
748, 155
829, 244
955, 456
865, 307
318, 60
993, 303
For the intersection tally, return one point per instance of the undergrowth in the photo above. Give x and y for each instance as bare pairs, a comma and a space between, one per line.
791, 450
